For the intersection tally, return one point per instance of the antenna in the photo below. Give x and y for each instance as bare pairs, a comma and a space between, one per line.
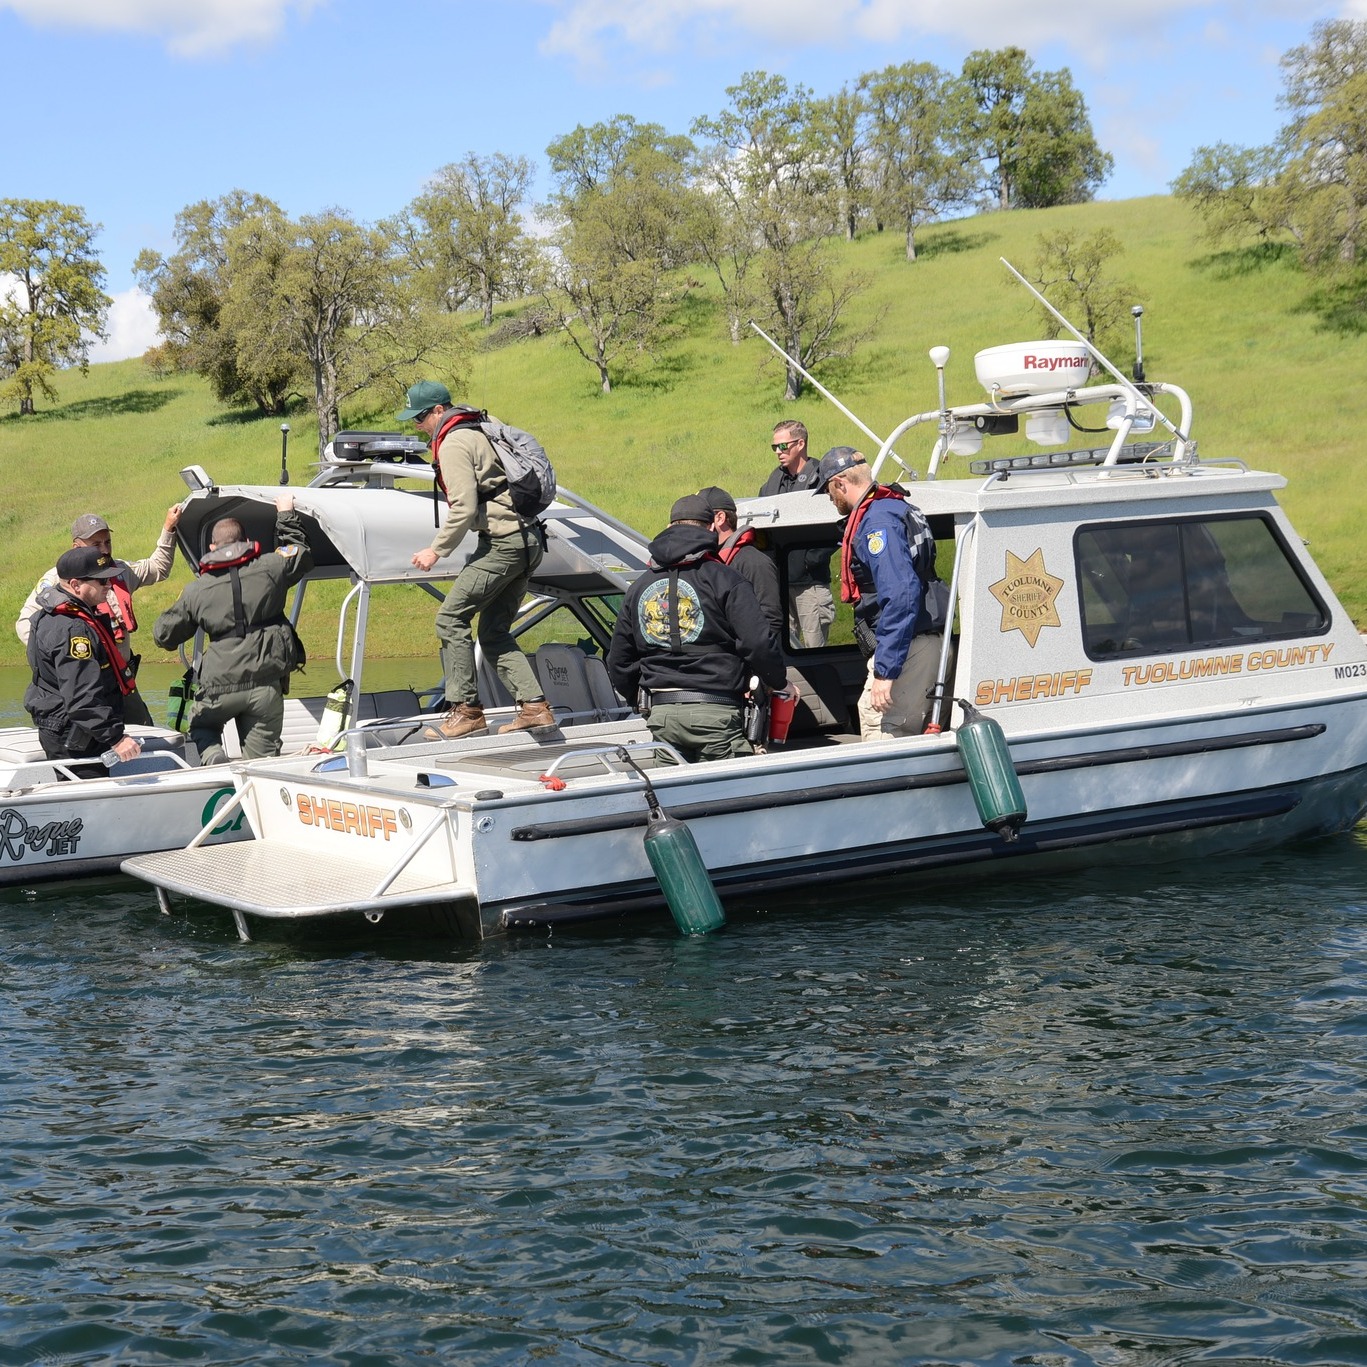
284, 443
821, 389
1137, 313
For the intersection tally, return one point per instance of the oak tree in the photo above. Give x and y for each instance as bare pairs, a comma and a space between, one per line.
621, 197
51, 303
1032, 132
769, 163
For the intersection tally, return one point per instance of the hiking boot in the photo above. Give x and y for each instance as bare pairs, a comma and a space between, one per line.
462, 720
531, 716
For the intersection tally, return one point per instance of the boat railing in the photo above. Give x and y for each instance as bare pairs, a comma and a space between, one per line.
604, 754
975, 420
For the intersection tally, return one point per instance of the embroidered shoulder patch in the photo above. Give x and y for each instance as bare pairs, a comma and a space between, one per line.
876, 541
82, 648
288, 551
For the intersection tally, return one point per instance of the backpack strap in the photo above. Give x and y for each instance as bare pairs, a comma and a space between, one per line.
675, 635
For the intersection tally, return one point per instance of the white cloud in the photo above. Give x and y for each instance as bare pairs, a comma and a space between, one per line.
132, 328
190, 28
588, 28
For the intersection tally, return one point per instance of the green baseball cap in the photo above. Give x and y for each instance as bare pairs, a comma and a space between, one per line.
422, 396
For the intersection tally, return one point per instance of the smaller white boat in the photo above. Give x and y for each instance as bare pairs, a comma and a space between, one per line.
1171, 673
365, 516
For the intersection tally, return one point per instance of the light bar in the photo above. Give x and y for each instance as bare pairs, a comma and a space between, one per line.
1054, 460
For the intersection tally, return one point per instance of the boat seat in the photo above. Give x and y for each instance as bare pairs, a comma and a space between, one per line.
606, 698
823, 706
302, 715
149, 762
576, 685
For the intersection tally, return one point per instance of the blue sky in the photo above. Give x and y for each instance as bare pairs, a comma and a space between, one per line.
135, 108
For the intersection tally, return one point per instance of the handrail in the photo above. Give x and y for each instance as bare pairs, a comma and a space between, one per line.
600, 752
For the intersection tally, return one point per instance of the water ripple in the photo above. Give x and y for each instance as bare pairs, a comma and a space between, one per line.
1085, 1120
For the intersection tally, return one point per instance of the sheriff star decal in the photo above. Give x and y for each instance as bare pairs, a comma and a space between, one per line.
1028, 594
81, 648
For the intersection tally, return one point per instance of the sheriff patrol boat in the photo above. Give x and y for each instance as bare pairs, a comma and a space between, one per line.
1170, 673
368, 508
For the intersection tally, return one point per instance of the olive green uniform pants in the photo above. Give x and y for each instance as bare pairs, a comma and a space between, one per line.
491, 587
700, 730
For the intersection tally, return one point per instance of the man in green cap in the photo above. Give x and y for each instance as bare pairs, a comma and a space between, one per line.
494, 580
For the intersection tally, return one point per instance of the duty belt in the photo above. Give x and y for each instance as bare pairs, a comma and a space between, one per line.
664, 696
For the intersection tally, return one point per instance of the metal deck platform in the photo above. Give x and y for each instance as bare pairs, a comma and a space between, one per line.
276, 882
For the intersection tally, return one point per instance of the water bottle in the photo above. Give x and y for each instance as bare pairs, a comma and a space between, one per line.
112, 757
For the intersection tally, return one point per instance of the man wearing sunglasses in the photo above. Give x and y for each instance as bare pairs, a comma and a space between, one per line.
811, 608
79, 678
90, 529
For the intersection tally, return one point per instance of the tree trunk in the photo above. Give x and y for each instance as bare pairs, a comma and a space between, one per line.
488, 307
793, 389
911, 240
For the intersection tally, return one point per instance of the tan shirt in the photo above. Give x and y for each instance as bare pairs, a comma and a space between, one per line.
469, 464
138, 574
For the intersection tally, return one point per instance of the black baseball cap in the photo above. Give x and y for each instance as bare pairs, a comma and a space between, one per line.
690, 508
85, 562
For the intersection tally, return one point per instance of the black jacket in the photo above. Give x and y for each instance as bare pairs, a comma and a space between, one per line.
809, 566
760, 572
74, 695
708, 640
781, 482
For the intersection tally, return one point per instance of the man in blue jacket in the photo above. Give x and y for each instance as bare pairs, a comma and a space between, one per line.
881, 576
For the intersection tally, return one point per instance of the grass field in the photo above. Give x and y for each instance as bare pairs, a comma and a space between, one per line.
1270, 385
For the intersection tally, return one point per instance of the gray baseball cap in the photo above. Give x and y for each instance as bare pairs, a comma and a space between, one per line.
87, 525
835, 462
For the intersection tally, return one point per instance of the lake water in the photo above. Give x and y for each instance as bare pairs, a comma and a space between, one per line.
1111, 1118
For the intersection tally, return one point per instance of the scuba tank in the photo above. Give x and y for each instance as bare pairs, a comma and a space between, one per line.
336, 715
991, 775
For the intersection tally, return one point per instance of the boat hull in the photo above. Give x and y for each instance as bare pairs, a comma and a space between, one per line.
84, 829
492, 859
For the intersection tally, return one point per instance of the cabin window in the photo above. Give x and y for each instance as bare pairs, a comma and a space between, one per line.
1152, 588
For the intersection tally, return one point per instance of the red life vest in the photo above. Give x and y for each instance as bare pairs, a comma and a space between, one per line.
209, 566
729, 549
126, 623
849, 590
98, 622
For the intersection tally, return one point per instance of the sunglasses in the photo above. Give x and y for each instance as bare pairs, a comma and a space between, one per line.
782, 446
422, 417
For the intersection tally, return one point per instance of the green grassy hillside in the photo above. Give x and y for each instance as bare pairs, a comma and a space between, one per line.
1270, 386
